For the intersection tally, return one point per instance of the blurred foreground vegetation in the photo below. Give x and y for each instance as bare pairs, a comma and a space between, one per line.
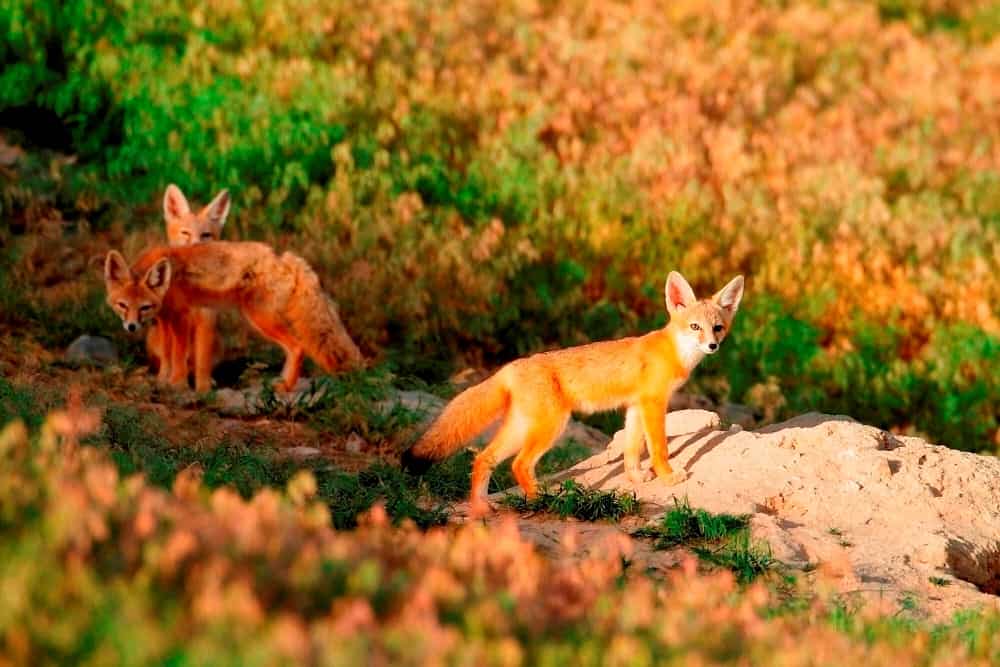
100, 568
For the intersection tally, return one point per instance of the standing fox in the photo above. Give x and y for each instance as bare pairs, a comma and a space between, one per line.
536, 395
187, 228
279, 295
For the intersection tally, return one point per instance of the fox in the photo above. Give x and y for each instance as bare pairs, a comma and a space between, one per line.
534, 396
185, 227
280, 296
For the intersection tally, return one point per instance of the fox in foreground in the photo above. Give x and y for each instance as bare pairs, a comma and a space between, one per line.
185, 227
279, 295
536, 395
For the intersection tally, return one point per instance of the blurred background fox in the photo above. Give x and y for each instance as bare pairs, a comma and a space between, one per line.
279, 295
185, 227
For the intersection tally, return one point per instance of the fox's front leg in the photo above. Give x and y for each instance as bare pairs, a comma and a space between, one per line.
204, 343
180, 344
165, 340
633, 447
653, 415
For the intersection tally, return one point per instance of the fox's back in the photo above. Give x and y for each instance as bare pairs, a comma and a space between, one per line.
213, 266
602, 375
221, 274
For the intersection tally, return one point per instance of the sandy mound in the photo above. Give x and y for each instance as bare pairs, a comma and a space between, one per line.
888, 514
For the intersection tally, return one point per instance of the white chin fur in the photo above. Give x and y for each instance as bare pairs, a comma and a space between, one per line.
689, 350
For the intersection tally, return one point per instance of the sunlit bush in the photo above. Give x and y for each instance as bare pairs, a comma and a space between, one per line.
481, 179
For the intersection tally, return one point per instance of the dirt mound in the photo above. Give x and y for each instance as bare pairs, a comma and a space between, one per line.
893, 517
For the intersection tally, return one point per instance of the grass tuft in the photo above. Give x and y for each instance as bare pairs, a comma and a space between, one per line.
743, 556
722, 540
685, 525
571, 499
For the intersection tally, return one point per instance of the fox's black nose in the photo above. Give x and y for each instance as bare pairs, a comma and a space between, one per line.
131, 326
712, 346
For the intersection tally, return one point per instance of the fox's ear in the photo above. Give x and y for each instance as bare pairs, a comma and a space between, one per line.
728, 298
175, 204
218, 209
157, 278
678, 293
116, 268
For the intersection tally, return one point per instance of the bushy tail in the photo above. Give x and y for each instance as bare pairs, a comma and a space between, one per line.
464, 417
316, 321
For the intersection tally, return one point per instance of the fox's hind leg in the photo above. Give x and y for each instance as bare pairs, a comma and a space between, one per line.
545, 426
269, 327
504, 444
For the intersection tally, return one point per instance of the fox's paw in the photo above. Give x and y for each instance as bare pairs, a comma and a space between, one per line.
673, 477
639, 476
479, 508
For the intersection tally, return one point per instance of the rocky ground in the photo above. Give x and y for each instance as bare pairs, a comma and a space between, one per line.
886, 517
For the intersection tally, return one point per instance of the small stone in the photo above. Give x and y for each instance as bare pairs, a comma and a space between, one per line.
737, 414
302, 453
231, 402
682, 422
92, 350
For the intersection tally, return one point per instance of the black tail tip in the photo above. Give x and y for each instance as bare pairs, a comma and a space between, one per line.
414, 464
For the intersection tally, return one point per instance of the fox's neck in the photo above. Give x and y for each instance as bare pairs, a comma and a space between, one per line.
689, 353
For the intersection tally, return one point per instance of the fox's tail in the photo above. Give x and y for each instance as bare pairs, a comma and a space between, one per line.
464, 417
316, 321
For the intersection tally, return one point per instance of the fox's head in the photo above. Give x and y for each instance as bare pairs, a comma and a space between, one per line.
136, 299
187, 228
701, 325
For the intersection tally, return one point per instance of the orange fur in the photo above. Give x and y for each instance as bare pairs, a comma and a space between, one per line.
279, 295
185, 227
536, 395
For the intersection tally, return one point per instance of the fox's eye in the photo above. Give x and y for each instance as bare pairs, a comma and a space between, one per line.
717, 328
206, 237
145, 308
185, 233
122, 305
695, 327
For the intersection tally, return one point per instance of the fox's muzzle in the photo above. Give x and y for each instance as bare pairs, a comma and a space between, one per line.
131, 327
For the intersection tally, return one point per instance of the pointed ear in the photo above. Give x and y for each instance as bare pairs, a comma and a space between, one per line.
157, 278
116, 268
728, 298
678, 293
218, 209
175, 204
